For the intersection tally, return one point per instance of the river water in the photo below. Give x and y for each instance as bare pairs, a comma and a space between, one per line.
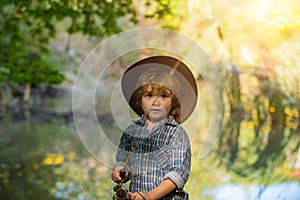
279, 191
27, 141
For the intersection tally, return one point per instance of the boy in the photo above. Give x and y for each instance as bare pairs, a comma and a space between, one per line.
155, 150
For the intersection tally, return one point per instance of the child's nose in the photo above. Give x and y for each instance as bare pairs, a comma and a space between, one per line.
156, 100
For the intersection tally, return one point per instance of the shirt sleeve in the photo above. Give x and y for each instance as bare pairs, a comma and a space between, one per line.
180, 158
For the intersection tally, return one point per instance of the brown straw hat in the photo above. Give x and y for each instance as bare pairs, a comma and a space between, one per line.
188, 90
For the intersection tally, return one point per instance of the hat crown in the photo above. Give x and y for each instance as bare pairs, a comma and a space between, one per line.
163, 78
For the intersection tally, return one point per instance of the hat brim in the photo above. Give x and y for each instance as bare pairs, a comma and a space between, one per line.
172, 65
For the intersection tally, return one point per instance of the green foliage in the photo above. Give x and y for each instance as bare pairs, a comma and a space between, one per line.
26, 28
24, 48
170, 14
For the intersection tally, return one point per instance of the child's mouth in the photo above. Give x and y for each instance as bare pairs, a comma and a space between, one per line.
155, 110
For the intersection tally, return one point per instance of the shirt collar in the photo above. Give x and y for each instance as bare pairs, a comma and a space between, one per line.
140, 121
169, 121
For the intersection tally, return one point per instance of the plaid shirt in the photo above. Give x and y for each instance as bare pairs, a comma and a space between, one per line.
157, 155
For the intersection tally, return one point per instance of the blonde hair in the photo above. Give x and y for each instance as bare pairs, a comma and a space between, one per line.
159, 82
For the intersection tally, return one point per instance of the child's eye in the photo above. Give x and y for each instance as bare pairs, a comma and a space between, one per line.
165, 96
148, 95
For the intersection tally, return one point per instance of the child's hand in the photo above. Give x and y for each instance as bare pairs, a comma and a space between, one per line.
118, 175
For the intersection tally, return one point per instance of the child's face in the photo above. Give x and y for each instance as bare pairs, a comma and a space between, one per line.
157, 103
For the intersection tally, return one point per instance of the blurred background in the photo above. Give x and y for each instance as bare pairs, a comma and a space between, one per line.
255, 44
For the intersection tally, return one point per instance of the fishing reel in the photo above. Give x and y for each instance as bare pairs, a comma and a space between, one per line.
120, 193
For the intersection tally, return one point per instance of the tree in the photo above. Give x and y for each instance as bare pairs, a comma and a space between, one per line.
261, 38
26, 28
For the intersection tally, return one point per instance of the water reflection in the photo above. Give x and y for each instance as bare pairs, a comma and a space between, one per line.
33, 147
279, 191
